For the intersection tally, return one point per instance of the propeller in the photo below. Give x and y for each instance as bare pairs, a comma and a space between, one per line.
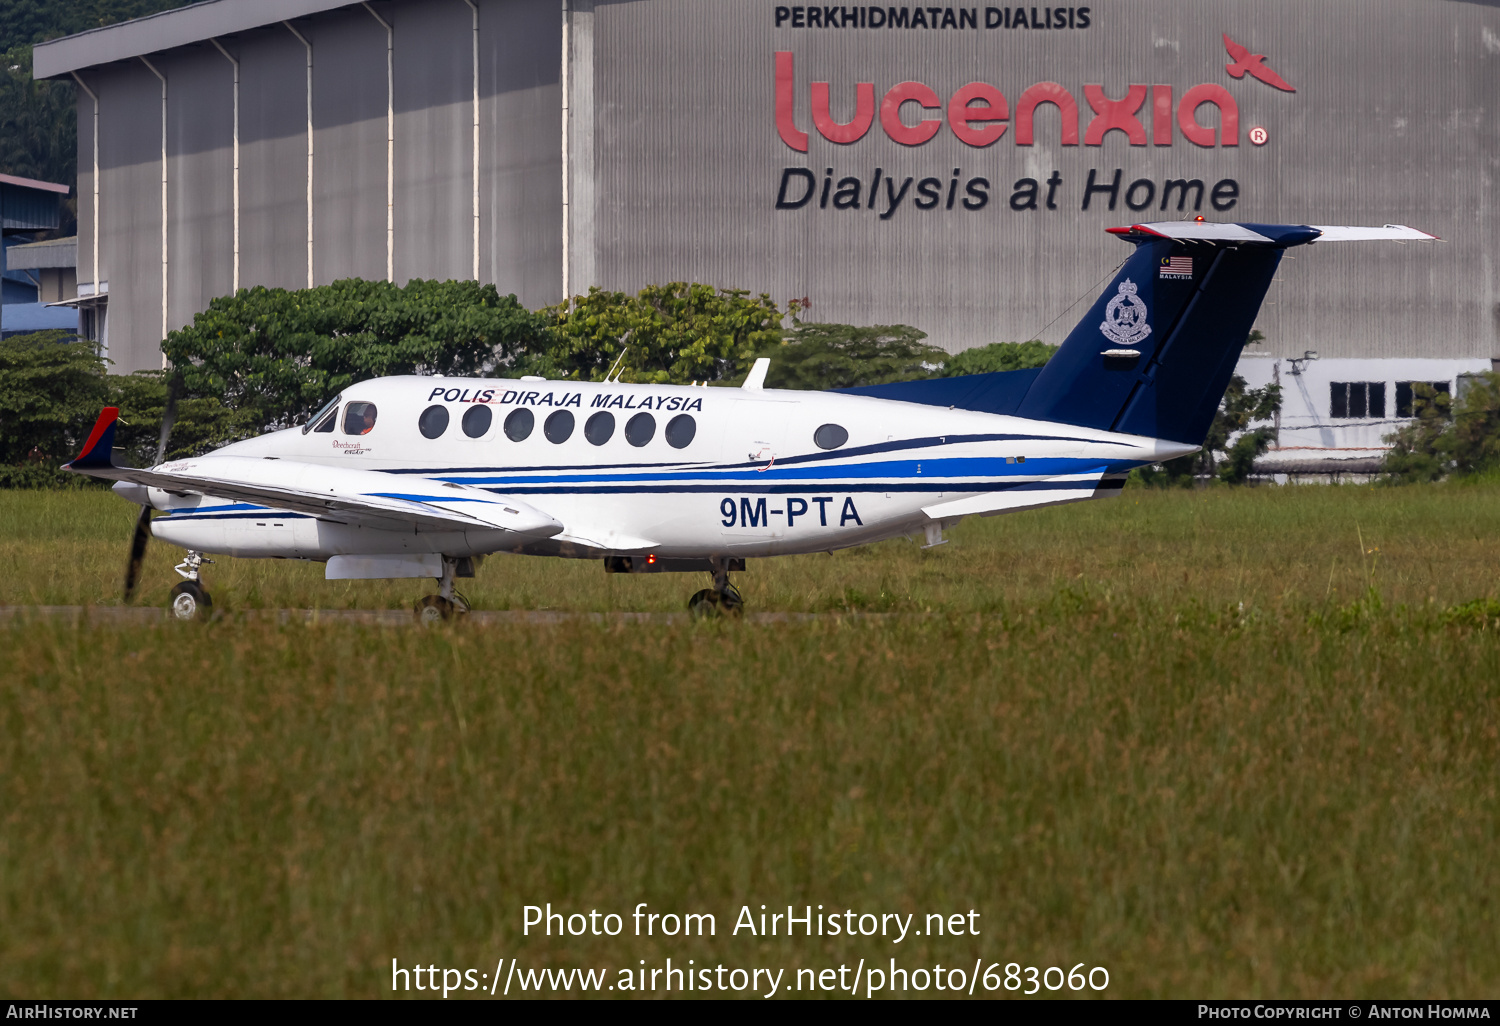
143, 522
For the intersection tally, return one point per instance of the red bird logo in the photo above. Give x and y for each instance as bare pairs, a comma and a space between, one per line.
1254, 63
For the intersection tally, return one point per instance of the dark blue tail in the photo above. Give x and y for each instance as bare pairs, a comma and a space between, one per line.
1153, 355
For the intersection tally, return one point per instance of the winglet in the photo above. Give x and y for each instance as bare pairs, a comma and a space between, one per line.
98, 451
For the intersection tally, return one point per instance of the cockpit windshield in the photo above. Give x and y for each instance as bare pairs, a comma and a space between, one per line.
314, 422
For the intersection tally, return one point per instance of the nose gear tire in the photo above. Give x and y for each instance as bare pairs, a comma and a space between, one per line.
189, 601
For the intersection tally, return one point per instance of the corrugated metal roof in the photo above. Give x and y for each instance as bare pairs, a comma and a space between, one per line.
32, 183
165, 30
36, 255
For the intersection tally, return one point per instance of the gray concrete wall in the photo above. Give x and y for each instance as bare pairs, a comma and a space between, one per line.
520, 161
676, 160
1394, 119
130, 211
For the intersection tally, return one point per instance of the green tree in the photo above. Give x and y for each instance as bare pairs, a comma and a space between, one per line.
51, 391
1447, 436
998, 356
273, 356
673, 333
201, 423
52, 387
825, 356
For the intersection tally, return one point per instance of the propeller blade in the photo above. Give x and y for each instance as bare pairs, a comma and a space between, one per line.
168, 416
137, 552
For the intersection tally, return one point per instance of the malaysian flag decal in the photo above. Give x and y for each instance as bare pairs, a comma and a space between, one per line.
1176, 267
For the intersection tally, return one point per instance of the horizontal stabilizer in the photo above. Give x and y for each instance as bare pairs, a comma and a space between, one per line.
1279, 235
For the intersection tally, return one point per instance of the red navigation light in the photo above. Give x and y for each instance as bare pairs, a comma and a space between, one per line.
1198, 218
651, 559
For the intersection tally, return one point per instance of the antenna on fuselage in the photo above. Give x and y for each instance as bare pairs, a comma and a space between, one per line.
619, 358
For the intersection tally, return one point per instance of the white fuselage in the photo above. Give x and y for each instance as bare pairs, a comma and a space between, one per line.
751, 481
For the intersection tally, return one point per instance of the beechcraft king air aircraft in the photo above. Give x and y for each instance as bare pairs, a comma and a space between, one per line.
422, 476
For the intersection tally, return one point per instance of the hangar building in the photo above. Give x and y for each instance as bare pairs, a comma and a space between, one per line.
948, 167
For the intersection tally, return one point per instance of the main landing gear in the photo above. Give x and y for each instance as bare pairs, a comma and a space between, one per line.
189, 599
723, 599
447, 603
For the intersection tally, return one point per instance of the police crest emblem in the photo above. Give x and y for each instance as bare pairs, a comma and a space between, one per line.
1125, 316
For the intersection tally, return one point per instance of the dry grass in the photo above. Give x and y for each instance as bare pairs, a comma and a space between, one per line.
1088, 741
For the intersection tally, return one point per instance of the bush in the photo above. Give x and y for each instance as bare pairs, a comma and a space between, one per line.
1448, 437
999, 356
825, 356
665, 334
274, 356
51, 389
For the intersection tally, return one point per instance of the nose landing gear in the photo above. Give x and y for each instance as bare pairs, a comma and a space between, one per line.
723, 599
447, 603
189, 600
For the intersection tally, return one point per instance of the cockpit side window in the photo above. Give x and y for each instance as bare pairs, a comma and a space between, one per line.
325, 418
328, 423
359, 418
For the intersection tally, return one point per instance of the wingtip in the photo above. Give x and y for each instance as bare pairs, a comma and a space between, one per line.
98, 450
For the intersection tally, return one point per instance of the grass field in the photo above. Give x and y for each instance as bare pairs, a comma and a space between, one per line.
1222, 743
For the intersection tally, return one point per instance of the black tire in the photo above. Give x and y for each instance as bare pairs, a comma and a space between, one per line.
704, 604
188, 601
433, 609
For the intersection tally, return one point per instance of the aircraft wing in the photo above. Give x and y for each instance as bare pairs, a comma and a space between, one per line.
369, 498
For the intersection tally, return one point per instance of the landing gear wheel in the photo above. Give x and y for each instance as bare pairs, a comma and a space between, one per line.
711, 602
704, 604
434, 609
189, 601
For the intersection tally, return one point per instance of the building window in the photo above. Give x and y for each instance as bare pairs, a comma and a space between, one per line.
1349, 399
1404, 394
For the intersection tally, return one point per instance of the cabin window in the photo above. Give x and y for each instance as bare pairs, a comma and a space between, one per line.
1356, 399
1405, 395
477, 420
519, 424
359, 418
680, 431
558, 427
325, 418
599, 428
433, 421
830, 436
640, 429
